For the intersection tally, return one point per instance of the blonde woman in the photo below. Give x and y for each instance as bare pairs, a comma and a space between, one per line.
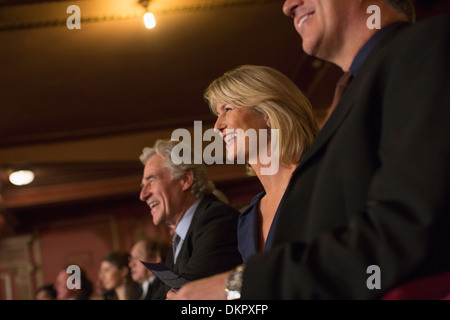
251, 98
257, 99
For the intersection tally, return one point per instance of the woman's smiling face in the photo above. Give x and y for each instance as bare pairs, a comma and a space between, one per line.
236, 126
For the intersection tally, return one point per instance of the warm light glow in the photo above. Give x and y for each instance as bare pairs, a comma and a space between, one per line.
149, 20
22, 177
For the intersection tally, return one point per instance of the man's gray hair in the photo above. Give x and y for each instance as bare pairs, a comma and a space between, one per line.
405, 6
201, 185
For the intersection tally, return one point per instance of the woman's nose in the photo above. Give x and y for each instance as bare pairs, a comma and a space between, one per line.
220, 125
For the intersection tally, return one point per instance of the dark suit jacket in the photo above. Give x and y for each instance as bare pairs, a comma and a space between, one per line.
373, 189
151, 291
210, 246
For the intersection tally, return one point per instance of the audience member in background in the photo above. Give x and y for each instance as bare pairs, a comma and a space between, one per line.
46, 292
65, 293
153, 250
115, 277
180, 197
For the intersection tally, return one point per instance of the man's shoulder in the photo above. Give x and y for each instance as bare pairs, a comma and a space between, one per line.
424, 31
212, 202
213, 213
212, 206
409, 46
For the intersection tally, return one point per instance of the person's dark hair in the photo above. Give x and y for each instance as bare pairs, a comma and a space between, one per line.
405, 6
156, 247
86, 285
120, 259
49, 289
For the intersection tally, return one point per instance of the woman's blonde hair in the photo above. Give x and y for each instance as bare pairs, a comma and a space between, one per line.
273, 94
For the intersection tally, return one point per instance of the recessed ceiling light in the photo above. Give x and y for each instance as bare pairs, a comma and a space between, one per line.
21, 177
149, 20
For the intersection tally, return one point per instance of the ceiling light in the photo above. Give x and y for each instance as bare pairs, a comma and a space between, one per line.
21, 177
149, 18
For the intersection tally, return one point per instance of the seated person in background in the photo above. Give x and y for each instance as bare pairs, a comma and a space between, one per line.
180, 197
46, 292
115, 277
64, 293
149, 250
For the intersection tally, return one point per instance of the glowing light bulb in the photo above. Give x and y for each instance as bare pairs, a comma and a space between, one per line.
21, 177
149, 20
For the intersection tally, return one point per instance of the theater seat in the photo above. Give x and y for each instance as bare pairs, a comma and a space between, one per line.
436, 287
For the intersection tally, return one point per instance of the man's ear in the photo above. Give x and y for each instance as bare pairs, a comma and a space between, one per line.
187, 179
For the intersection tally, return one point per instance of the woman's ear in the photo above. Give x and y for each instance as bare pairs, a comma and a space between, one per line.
268, 122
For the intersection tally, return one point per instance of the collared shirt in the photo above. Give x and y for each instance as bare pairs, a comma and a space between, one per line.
368, 47
184, 224
145, 285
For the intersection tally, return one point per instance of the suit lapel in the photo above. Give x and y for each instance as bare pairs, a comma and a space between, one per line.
201, 208
331, 126
182, 255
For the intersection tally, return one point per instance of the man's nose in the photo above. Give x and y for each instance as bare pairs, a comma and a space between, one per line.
144, 193
290, 6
